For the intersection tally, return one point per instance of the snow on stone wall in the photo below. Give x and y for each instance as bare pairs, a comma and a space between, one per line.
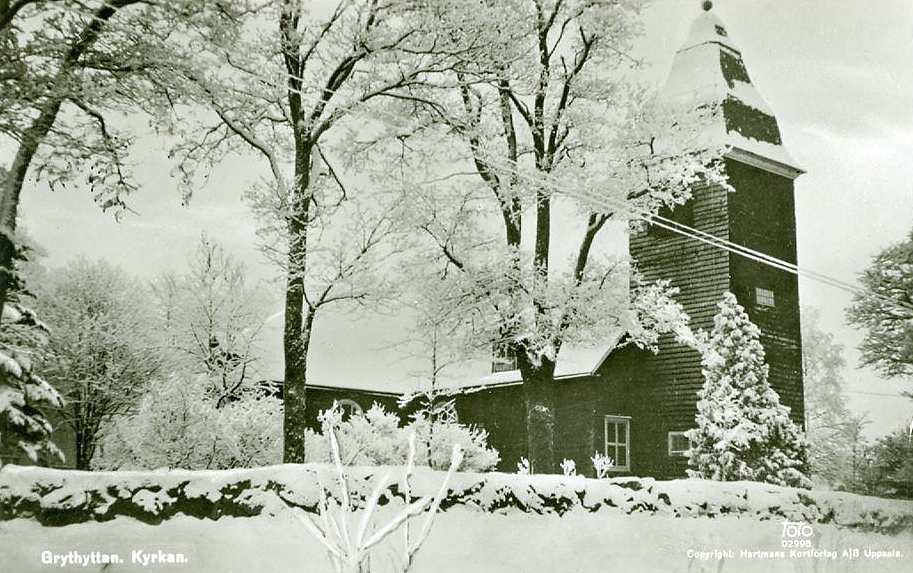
60, 497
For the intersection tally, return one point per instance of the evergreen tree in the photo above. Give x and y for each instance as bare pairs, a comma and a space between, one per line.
890, 471
743, 432
24, 395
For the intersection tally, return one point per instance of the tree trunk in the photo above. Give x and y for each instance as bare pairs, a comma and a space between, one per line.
296, 339
11, 185
539, 395
294, 388
299, 316
83, 453
85, 445
11, 188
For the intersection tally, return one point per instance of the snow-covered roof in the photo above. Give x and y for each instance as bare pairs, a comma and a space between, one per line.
572, 362
708, 68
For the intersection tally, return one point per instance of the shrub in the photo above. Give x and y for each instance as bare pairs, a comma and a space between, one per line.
376, 437
178, 425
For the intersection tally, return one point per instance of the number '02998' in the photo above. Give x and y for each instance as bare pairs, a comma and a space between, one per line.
796, 534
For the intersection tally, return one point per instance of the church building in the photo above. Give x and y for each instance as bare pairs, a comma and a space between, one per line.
631, 404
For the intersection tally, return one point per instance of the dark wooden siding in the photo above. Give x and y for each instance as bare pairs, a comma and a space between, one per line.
760, 214
665, 385
580, 411
581, 405
320, 398
763, 218
500, 411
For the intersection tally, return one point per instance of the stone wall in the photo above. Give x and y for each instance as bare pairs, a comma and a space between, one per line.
61, 497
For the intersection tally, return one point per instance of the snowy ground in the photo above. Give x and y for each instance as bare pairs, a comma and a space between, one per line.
464, 540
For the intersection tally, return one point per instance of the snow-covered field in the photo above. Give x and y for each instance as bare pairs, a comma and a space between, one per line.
463, 540
241, 520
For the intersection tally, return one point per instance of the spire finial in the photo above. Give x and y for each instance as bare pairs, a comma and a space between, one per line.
707, 5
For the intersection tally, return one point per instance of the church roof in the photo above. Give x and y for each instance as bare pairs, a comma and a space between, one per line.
572, 362
709, 68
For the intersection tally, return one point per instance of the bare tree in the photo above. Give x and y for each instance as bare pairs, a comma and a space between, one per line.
833, 431
293, 95
102, 353
67, 69
213, 319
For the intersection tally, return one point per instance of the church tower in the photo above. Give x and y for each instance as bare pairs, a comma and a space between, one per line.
759, 213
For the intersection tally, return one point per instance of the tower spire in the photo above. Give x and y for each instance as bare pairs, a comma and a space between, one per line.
709, 69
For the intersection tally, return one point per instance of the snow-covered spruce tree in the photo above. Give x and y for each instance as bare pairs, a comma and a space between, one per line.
23, 393
743, 432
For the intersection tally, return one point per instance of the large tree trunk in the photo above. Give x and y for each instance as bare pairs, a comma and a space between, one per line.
296, 340
298, 321
299, 316
540, 401
294, 388
11, 189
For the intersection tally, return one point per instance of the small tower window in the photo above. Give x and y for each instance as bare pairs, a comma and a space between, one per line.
764, 297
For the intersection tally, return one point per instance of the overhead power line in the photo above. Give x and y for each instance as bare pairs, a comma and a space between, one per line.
590, 197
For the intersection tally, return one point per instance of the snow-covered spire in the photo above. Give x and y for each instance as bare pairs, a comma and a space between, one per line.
709, 68
707, 27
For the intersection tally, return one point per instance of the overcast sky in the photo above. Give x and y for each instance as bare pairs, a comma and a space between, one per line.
839, 76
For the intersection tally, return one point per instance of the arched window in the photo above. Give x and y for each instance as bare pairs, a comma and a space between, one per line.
349, 408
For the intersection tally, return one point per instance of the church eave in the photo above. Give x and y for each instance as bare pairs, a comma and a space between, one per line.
765, 163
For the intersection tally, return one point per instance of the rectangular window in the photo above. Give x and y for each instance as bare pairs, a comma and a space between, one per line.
764, 297
678, 443
504, 360
618, 442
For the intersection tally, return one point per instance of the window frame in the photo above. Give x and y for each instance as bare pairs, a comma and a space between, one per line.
503, 360
350, 407
676, 453
616, 419
765, 297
